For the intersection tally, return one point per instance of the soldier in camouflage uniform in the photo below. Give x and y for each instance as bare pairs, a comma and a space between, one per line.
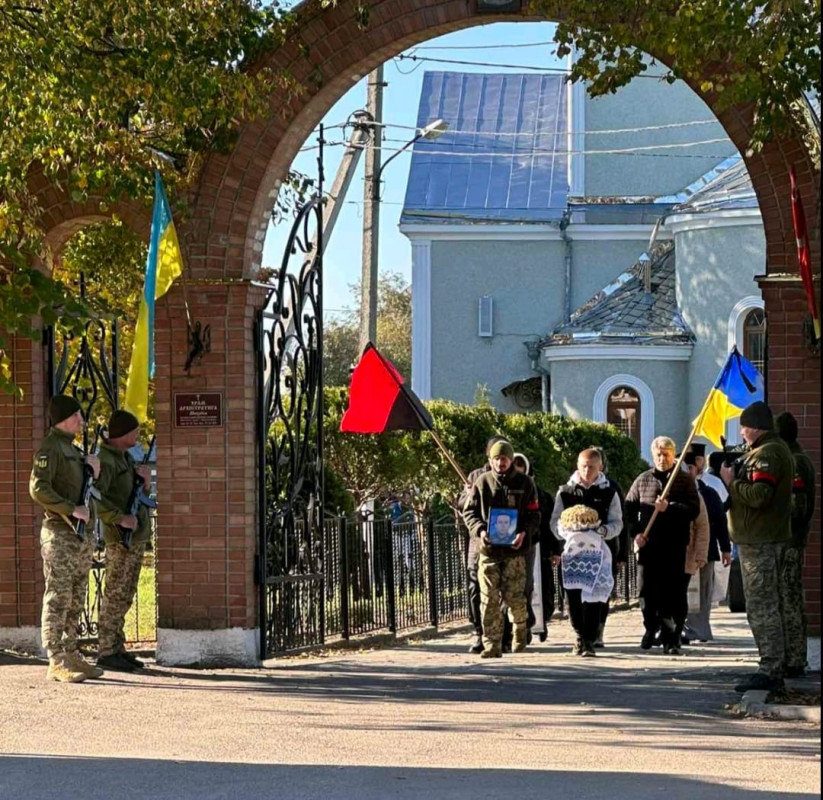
117, 478
55, 484
502, 568
802, 512
760, 490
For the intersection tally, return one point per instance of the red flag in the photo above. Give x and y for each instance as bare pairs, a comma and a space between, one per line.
803, 252
380, 401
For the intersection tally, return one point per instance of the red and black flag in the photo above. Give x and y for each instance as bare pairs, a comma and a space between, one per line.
380, 401
804, 255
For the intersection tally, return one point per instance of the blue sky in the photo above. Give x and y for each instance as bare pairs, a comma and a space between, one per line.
498, 43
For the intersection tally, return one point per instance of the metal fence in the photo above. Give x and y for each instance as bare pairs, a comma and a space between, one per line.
392, 576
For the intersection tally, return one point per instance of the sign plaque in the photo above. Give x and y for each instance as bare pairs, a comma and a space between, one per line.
198, 409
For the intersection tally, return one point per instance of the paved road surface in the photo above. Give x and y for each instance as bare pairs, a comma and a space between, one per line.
422, 720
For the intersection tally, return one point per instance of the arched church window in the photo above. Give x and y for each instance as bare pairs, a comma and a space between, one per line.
623, 411
754, 337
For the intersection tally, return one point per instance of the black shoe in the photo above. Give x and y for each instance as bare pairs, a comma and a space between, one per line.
506, 647
794, 672
132, 659
116, 662
476, 646
588, 650
672, 650
577, 648
684, 640
759, 682
647, 642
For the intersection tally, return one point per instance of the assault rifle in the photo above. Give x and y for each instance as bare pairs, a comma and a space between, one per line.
137, 498
88, 490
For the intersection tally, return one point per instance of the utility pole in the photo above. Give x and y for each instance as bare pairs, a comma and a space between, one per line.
371, 213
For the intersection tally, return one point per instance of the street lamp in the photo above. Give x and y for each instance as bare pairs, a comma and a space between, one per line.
371, 228
434, 130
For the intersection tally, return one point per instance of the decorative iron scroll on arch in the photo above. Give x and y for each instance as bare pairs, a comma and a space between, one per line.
199, 342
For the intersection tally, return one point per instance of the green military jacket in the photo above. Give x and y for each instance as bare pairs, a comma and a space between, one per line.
802, 495
115, 485
57, 480
761, 493
511, 491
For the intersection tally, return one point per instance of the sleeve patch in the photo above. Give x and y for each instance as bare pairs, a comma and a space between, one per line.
798, 484
532, 506
42, 461
767, 477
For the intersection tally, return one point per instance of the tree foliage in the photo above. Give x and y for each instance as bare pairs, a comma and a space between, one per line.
341, 340
96, 95
749, 52
378, 467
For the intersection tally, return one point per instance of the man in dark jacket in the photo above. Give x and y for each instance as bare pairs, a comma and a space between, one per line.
662, 551
502, 493
802, 512
760, 488
472, 586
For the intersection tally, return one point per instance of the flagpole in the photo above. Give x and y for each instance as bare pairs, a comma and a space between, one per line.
448, 455
679, 461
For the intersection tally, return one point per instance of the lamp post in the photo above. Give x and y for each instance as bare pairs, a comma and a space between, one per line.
371, 232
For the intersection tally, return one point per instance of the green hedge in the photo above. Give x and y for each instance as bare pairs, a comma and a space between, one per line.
380, 466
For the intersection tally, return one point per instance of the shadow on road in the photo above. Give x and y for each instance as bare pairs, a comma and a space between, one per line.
157, 779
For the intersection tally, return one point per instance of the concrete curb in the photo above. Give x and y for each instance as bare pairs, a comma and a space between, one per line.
753, 704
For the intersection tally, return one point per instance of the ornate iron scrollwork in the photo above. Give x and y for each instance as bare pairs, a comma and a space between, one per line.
290, 383
86, 367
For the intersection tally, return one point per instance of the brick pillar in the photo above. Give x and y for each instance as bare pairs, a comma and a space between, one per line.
206, 481
793, 384
22, 426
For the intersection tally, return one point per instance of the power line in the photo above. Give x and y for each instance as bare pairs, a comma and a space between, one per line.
546, 70
484, 46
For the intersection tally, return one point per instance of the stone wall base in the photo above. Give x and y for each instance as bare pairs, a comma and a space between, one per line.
22, 640
233, 647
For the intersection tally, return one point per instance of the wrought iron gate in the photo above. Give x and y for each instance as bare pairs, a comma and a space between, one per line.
87, 369
289, 340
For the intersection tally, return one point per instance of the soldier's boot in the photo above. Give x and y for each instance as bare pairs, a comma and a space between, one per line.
60, 671
79, 664
476, 645
492, 652
519, 638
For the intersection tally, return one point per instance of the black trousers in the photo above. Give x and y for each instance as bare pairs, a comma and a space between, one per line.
663, 599
473, 591
584, 617
547, 588
682, 608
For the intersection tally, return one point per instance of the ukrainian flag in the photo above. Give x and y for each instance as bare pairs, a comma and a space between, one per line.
738, 384
163, 265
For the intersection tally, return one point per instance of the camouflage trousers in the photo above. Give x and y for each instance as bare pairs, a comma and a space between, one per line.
795, 612
66, 565
767, 602
122, 576
502, 578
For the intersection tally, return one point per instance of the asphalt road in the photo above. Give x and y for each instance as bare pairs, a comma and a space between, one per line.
424, 720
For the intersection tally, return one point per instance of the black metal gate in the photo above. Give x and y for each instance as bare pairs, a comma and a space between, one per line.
87, 369
289, 340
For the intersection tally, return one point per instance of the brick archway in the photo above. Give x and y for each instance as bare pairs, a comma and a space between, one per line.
207, 595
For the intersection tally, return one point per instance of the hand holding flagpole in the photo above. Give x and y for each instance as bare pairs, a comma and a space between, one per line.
738, 384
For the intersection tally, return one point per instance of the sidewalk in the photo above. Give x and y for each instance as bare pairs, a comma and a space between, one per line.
425, 719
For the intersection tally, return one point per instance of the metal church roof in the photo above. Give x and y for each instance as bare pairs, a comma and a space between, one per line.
504, 157
728, 188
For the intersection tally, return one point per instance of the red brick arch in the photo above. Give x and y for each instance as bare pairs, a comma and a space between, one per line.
208, 518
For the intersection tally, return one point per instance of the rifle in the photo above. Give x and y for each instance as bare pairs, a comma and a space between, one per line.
137, 498
88, 490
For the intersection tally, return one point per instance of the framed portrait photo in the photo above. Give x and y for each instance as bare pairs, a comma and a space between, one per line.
502, 526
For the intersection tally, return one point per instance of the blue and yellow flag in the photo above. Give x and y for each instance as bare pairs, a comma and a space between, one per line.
163, 265
738, 384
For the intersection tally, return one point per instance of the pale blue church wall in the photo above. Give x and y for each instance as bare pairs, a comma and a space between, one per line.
525, 280
643, 103
575, 383
715, 270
